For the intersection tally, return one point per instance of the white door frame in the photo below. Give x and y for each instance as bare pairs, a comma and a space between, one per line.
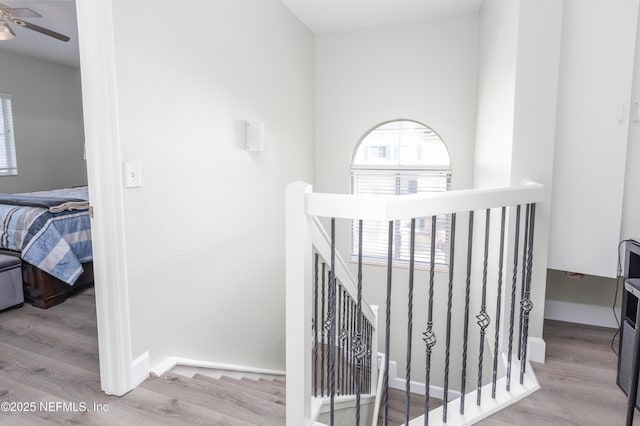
102, 136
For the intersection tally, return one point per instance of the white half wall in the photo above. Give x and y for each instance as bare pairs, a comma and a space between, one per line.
48, 124
205, 231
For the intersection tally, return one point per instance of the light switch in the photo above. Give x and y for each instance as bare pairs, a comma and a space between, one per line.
132, 174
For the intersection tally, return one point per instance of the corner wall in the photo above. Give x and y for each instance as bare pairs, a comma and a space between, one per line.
48, 124
520, 56
205, 231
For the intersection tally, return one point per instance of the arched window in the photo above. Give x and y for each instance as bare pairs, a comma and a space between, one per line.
401, 157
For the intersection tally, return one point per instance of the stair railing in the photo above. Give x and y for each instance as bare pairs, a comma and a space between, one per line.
309, 249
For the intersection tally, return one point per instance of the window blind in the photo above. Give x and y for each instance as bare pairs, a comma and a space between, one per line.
8, 164
376, 234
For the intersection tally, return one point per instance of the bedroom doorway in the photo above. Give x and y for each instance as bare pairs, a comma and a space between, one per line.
119, 372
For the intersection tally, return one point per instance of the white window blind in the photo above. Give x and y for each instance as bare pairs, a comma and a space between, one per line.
8, 164
378, 169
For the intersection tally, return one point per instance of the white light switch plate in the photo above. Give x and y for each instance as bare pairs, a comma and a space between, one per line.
132, 174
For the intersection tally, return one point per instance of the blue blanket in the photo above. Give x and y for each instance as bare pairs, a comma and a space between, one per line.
57, 243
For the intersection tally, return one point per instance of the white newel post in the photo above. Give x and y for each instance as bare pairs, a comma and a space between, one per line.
298, 245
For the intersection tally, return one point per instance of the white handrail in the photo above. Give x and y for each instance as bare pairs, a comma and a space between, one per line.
396, 207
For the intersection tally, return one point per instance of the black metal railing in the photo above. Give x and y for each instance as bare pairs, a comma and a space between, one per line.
343, 335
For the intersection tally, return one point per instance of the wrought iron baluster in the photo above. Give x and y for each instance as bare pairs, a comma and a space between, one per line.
339, 340
332, 328
315, 327
323, 330
412, 250
465, 333
429, 336
483, 318
525, 245
343, 340
371, 357
527, 305
494, 376
514, 283
452, 246
354, 327
387, 331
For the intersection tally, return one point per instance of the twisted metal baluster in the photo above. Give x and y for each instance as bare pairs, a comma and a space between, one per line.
494, 376
483, 318
524, 275
343, 340
325, 327
447, 345
387, 332
339, 339
463, 384
429, 336
514, 283
412, 250
315, 327
527, 305
332, 328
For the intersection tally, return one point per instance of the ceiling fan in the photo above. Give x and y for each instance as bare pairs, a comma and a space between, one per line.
15, 15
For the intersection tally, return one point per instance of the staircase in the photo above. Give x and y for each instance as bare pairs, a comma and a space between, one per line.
230, 402
243, 402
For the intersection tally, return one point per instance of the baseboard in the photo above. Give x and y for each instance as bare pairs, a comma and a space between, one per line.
536, 349
140, 369
579, 313
190, 367
416, 387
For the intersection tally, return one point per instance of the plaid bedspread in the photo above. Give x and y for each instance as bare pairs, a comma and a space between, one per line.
57, 243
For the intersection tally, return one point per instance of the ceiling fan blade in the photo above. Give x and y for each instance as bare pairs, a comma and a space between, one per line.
40, 29
20, 12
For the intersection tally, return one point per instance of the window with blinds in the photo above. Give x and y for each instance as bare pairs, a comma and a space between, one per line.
398, 158
8, 164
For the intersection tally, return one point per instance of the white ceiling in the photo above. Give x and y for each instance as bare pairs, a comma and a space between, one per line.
326, 16
320, 16
58, 16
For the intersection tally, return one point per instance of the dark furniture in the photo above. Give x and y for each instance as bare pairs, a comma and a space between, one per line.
43, 290
629, 354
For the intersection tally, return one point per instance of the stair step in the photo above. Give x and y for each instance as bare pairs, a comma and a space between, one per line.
275, 387
254, 388
221, 398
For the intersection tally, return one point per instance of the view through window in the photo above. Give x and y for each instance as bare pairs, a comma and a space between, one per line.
397, 158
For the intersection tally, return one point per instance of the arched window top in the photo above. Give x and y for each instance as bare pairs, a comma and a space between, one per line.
402, 144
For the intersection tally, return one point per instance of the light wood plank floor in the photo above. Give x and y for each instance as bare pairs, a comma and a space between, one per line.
50, 356
578, 382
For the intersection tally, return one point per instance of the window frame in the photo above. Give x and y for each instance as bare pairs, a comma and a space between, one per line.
8, 160
409, 172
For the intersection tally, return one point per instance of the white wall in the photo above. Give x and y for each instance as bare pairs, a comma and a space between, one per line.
631, 199
421, 71
47, 114
517, 96
205, 232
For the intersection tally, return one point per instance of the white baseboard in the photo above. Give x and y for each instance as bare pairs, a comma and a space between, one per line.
579, 313
536, 349
191, 367
140, 369
416, 387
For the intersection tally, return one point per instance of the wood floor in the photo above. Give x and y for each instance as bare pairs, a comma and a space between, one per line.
50, 357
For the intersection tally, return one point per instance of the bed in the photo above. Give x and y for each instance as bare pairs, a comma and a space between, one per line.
51, 232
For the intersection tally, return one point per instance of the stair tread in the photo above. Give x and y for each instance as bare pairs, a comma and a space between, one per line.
230, 402
252, 388
270, 384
